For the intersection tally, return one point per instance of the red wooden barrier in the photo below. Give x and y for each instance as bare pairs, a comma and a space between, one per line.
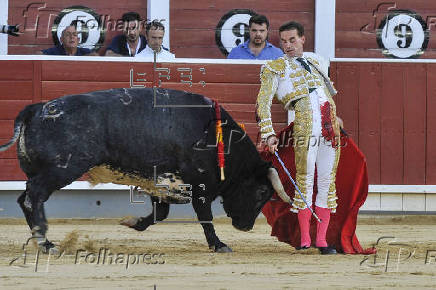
388, 108
430, 165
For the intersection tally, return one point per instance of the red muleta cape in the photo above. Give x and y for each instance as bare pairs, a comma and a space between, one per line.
351, 188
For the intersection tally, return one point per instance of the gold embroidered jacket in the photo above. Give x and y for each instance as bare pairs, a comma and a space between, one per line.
288, 81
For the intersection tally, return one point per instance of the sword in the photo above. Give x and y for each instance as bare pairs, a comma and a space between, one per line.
296, 187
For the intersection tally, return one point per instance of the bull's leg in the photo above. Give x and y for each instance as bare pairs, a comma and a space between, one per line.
24, 202
38, 190
204, 213
159, 213
26, 206
32, 203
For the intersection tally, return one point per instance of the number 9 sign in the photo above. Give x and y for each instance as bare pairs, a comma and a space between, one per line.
232, 29
403, 34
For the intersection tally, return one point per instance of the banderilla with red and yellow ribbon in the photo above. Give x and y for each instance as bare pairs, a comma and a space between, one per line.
219, 139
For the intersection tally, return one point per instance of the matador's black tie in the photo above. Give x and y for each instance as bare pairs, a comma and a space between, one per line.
304, 64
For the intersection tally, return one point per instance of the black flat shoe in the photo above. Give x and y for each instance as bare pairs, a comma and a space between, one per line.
302, 248
327, 250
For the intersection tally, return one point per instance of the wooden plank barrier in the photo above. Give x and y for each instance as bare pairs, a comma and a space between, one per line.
388, 108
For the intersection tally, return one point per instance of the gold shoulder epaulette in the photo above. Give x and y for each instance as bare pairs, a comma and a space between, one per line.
278, 65
312, 60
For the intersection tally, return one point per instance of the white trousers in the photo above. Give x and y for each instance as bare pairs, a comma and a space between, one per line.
321, 154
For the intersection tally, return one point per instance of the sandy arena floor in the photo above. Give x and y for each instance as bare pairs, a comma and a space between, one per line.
175, 256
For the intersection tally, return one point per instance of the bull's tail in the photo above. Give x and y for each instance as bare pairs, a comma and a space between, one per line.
21, 119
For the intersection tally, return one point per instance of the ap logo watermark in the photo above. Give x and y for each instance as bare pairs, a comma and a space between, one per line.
35, 256
390, 255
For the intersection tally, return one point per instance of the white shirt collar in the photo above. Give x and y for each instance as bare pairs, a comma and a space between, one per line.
150, 50
162, 54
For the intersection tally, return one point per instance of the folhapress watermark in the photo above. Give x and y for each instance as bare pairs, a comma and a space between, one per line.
104, 256
101, 257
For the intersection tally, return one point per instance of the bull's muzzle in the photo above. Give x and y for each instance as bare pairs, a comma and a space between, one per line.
244, 228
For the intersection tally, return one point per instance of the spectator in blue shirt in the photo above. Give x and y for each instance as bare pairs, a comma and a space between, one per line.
131, 42
257, 47
69, 44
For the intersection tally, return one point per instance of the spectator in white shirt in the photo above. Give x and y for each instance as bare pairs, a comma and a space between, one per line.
154, 33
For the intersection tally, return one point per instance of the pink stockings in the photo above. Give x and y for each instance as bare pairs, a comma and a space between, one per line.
321, 228
304, 216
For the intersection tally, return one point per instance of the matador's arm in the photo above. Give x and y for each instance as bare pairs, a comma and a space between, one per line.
269, 83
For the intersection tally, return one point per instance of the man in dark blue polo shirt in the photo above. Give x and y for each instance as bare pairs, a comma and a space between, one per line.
257, 47
69, 44
131, 42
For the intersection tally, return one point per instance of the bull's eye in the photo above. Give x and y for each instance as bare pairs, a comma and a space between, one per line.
261, 193
52, 109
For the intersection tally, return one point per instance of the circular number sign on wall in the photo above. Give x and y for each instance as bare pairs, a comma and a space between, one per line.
88, 24
232, 29
403, 34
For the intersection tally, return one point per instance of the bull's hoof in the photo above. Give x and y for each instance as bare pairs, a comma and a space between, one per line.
224, 249
138, 224
129, 221
48, 247
221, 248
44, 245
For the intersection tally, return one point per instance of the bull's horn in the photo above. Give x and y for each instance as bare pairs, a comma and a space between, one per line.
273, 176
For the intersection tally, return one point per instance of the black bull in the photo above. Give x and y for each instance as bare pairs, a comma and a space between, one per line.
137, 132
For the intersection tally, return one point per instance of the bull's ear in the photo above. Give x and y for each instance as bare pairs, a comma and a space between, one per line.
262, 168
